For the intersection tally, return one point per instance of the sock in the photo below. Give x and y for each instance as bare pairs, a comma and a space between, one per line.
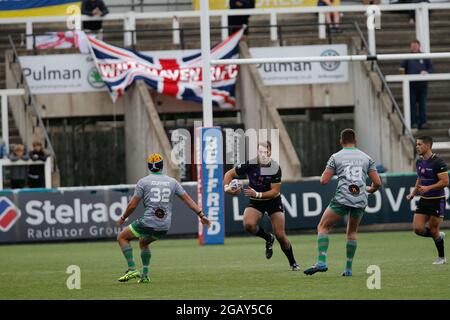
322, 244
351, 249
426, 233
289, 254
439, 242
128, 253
262, 234
145, 256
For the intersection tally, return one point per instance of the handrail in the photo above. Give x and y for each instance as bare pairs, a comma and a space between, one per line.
386, 87
406, 79
47, 168
234, 12
31, 100
142, 5
185, 29
129, 18
418, 77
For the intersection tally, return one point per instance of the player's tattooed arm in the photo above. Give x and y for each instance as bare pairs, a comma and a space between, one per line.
134, 202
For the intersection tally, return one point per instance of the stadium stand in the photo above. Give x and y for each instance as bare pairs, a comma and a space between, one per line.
156, 34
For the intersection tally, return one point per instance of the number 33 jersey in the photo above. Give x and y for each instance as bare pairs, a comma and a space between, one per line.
351, 166
157, 192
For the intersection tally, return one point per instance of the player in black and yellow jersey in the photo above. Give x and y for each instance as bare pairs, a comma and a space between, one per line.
264, 176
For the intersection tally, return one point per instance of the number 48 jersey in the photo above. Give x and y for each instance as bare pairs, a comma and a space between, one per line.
351, 166
157, 192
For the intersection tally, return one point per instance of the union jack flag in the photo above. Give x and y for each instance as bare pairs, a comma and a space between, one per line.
177, 77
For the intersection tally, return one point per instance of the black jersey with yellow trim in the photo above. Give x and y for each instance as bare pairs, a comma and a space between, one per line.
428, 171
261, 177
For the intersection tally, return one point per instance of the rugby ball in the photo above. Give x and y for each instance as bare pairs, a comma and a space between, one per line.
235, 184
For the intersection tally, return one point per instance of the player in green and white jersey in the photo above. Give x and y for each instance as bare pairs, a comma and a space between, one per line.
157, 191
352, 166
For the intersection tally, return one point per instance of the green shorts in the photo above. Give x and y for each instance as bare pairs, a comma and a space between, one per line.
141, 231
343, 210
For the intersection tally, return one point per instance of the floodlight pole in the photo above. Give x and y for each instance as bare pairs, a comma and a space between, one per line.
206, 63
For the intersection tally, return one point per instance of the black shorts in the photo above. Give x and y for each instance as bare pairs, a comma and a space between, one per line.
432, 207
270, 206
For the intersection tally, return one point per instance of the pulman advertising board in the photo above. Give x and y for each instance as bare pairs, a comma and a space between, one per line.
61, 73
295, 73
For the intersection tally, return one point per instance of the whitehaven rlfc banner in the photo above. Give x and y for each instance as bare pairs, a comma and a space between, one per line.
178, 77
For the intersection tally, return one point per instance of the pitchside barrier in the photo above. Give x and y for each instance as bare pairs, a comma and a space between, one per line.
37, 215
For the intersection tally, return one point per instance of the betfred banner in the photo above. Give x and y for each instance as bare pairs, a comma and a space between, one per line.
209, 155
296, 73
261, 4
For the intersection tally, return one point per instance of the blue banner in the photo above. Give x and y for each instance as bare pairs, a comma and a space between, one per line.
305, 201
30, 4
35, 8
210, 181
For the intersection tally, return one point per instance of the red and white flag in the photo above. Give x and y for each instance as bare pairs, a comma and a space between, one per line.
177, 77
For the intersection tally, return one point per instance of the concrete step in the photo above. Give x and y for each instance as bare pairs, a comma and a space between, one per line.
432, 107
439, 124
431, 84
442, 139
438, 115
389, 40
443, 152
437, 48
434, 93
434, 132
393, 68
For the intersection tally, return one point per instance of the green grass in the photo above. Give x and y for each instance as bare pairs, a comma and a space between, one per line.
181, 269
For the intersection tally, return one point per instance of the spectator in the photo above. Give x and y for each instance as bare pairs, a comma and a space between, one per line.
36, 173
18, 172
3, 153
236, 22
418, 90
94, 8
332, 19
